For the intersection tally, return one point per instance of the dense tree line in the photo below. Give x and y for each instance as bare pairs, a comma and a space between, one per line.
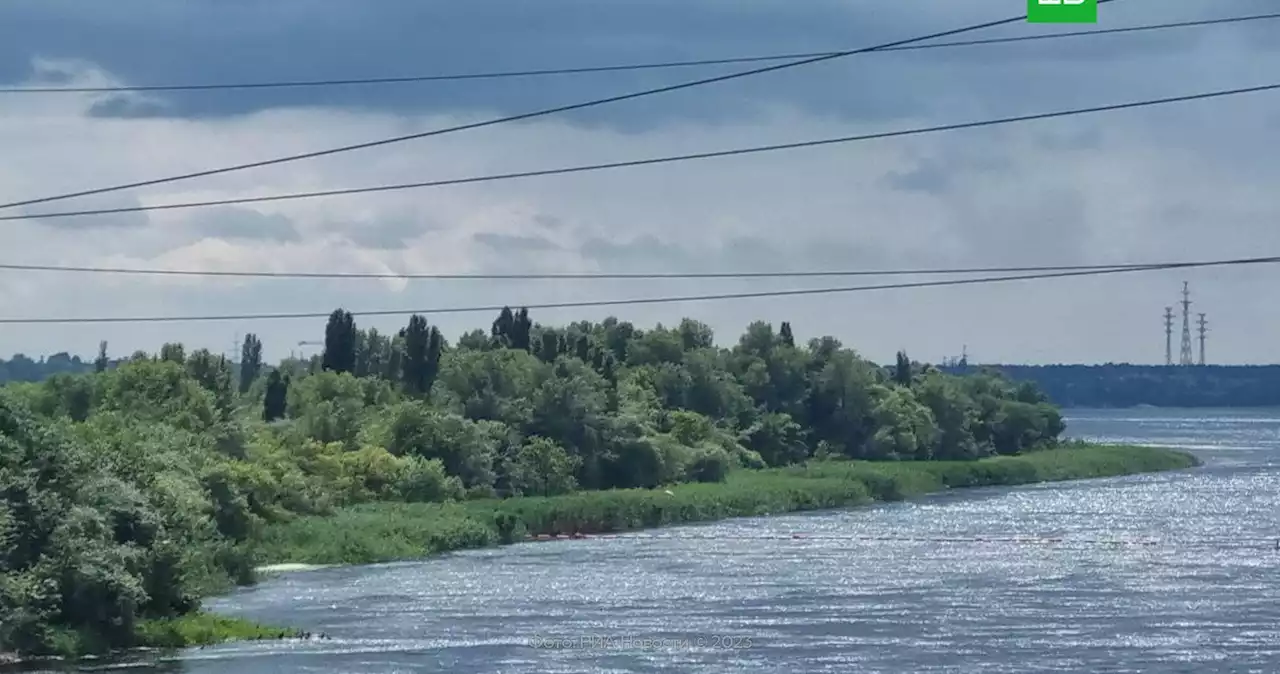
1111, 385
130, 490
22, 368
1122, 385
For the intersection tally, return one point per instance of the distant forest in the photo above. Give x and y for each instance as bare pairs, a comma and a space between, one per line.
1111, 385
1122, 385
24, 368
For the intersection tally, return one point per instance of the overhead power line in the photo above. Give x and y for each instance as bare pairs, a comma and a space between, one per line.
522, 116
649, 162
660, 65
574, 275
646, 300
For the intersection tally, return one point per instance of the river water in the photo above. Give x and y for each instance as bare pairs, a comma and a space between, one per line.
1175, 572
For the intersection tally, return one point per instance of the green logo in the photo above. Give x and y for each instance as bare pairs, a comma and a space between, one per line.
1062, 11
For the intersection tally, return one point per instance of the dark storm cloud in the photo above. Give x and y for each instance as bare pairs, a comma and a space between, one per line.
159, 41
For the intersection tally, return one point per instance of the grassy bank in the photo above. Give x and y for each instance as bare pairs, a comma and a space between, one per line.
379, 532
200, 629
194, 629
382, 532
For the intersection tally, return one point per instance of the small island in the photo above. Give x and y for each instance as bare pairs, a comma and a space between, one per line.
134, 489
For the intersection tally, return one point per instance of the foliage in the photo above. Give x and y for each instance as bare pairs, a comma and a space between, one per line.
203, 629
250, 362
382, 532
129, 493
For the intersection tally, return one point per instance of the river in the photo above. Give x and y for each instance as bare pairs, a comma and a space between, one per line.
1173, 572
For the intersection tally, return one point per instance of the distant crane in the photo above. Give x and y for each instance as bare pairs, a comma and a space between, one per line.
303, 343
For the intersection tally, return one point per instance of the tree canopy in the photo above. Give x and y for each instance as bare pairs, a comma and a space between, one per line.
129, 491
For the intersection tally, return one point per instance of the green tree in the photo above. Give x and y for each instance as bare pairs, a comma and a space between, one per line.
339, 343
101, 362
173, 353
540, 467
274, 403
777, 438
250, 361
467, 449
374, 356
512, 330
213, 373
423, 347
904, 428
785, 336
902, 370
955, 414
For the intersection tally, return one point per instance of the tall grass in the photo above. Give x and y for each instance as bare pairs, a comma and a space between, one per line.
394, 531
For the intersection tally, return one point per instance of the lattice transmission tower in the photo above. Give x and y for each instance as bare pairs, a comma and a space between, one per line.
1204, 328
1186, 358
1168, 335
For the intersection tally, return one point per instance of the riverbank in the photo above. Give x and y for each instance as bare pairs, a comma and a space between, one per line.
384, 532
193, 629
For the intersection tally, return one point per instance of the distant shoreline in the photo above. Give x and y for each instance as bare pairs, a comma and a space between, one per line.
1124, 386
1067, 409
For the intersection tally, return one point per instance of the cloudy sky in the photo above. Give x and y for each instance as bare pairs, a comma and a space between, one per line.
1182, 182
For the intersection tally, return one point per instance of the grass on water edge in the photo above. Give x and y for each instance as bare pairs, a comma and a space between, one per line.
383, 532
194, 629
200, 629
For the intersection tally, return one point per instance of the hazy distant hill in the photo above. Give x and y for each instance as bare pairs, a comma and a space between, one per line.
23, 368
1121, 385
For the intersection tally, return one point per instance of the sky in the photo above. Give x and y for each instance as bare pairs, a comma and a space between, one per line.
1182, 182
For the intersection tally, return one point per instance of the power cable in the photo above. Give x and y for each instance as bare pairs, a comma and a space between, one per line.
574, 275
662, 65
522, 116
647, 300
658, 160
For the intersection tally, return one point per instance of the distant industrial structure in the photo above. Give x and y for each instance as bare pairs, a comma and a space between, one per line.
1185, 356
961, 362
1204, 329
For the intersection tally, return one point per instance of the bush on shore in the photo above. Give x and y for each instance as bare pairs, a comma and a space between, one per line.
383, 532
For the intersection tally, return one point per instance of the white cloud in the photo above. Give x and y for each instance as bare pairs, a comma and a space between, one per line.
1193, 182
